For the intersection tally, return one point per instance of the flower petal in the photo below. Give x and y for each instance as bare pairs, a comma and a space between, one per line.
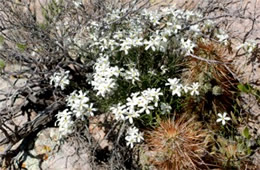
218, 120
227, 118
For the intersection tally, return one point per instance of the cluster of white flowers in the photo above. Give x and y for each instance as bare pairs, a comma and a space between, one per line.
65, 123
132, 74
79, 105
60, 79
135, 26
104, 81
150, 32
153, 16
222, 37
248, 46
137, 104
129, 42
104, 78
80, 108
167, 24
155, 43
133, 136
187, 46
195, 30
176, 87
115, 14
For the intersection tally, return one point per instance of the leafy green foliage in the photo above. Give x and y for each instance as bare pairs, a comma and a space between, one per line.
247, 88
245, 133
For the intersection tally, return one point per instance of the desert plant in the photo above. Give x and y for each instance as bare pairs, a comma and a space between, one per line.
178, 144
218, 83
233, 154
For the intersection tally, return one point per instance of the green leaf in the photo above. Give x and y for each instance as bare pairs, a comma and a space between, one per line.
2, 64
245, 133
21, 47
244, 88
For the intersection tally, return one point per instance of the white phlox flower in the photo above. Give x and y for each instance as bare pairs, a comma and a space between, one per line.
115, 15
154, 43
139, 102
147, 13
116, 71
175, 86
118, 35
133, 136
107, 44
131, 114
76, 100
176, 90
145, 108
165, 33
79, 105
185, 88
132, 74
153, 95
131, 41
133, 100
65, 123
155, 19
152, 72
60, 79
89, 109
223, 118
166, 10
187, 46
126, 45
248, 46
190, 15
104, 86
194, 89
119, 111
135, 40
